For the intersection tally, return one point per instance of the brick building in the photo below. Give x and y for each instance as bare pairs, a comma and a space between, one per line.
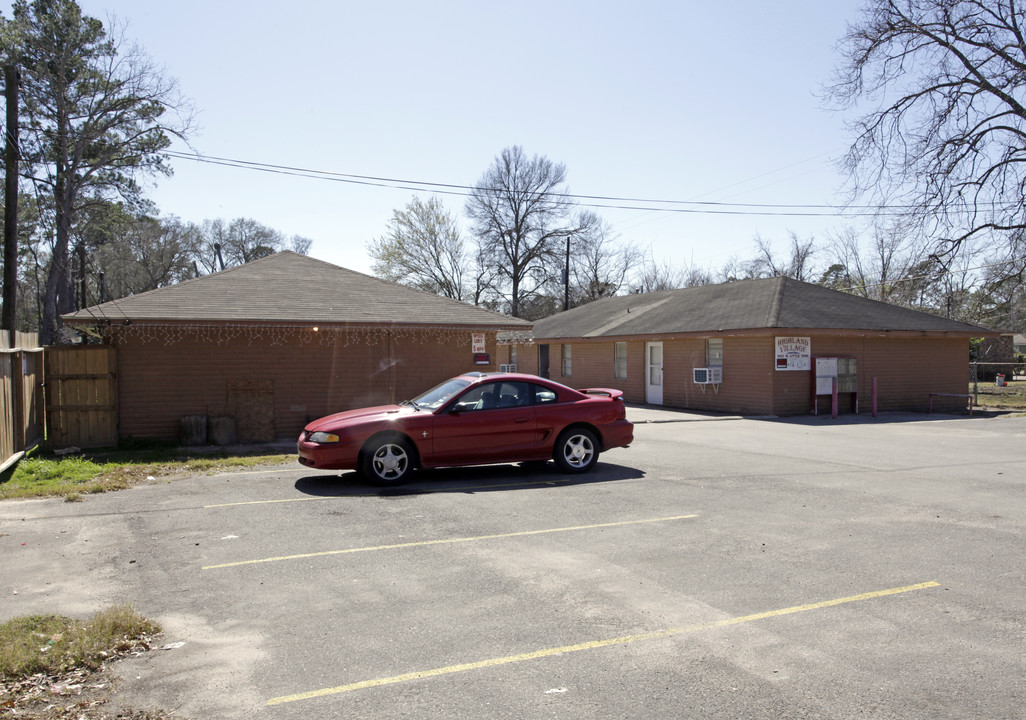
277, 342
756, 347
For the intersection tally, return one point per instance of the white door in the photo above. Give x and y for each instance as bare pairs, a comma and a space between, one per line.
654, 373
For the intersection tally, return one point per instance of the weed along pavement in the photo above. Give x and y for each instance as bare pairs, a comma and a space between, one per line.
718, 568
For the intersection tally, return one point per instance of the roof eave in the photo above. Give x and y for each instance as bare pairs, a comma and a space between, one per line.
177, 322
721, 332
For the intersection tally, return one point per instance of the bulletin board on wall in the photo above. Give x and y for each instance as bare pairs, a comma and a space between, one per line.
828, 371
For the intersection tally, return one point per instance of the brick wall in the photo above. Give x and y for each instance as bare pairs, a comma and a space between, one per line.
594, 366
158, 383
908, 370
527, 358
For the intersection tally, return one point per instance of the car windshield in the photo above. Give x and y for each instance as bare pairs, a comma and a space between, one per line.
438, 395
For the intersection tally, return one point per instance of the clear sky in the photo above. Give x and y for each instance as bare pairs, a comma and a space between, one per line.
684, 101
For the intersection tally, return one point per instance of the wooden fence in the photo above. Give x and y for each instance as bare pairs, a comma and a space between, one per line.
21, 396
81, 396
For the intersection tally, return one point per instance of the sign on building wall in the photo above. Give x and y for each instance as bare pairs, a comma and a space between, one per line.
794, 353
477, 347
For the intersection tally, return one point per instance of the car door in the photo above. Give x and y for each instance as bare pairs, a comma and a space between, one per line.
491, 422
550, 415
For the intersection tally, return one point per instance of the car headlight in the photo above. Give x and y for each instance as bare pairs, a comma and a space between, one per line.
323, 437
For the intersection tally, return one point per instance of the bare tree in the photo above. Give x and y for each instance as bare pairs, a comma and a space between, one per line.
423, 249
299, 244
1010, 291
937, 90
599, 265
889, 267
766, 263
521, 214
241, 241
956, 293
247, 240
695, 276
797, 265
654, 276
482, 282
737, 269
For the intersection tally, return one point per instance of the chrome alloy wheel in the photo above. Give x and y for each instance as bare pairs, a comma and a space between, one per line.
578, 451
390, 461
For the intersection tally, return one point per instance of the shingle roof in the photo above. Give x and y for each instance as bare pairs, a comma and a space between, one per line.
744, 305
288, 287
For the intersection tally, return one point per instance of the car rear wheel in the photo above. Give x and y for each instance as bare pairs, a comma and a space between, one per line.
388, 461
576, 450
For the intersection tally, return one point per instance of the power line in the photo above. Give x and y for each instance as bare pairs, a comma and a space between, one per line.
594, 201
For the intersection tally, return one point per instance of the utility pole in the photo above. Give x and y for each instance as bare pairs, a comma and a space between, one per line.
1011, 306
9, 320
82, 274
566, 277
9, 314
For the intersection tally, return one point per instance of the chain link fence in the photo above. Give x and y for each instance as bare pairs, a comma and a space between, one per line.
1001, 384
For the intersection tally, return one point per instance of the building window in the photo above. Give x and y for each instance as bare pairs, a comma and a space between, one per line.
714, 353
620, 360
567, 364
513, 355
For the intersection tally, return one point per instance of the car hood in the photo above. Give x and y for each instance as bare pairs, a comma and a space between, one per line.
361, 416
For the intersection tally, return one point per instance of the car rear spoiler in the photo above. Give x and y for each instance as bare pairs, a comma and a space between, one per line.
608, 392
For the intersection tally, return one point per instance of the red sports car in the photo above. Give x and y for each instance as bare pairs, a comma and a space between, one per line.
473, 419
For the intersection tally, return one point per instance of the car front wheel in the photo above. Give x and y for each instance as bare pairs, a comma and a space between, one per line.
576, 450
387, 462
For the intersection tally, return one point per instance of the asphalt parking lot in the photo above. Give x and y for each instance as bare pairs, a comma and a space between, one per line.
718, 568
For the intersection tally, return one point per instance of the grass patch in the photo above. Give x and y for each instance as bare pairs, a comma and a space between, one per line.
57, 668
42, 476
51, 644
45, 475
1010, 397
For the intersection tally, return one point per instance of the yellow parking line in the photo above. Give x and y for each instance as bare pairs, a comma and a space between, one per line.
448, 541
377, 494
624, 640
270, 502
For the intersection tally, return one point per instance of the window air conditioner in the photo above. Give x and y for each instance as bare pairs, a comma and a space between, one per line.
708, 376
511, 368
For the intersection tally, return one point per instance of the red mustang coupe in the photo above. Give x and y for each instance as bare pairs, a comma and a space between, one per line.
473, 419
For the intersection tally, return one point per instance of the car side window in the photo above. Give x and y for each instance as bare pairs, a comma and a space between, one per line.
483, 397
513, 394
495, 395
542, 395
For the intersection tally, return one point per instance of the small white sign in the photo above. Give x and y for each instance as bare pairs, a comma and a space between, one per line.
477, 342
794, 353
